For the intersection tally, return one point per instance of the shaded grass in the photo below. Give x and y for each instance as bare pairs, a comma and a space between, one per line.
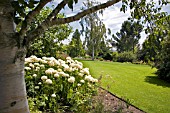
137, 83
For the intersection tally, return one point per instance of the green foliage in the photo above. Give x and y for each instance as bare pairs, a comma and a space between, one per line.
115, 56
75, 47
94, 29
126, 57
108, 56
61, 55
164, 65
56, 85
128, 37
49, 42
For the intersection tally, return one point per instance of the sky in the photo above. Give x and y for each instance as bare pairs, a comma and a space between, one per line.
112, 17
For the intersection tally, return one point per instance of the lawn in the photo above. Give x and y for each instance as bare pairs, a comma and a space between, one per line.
135, 83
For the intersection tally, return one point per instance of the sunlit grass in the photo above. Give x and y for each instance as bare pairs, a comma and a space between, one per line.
138, 83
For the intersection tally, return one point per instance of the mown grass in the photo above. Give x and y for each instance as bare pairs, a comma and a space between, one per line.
136, 83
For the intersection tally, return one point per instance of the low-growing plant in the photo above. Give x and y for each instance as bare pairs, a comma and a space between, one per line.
126, 57
57, 85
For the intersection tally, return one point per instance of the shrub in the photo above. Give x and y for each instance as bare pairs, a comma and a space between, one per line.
163, 65
115, 56
126, 57
108, 56
57, 85
61, 55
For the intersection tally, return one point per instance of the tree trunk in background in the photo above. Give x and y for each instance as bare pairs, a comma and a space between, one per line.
13, 97
93, 52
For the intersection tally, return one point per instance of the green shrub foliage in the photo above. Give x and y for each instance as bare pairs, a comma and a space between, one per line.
164, 64
126, 57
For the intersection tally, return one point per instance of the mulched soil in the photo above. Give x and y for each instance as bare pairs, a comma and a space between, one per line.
114, 104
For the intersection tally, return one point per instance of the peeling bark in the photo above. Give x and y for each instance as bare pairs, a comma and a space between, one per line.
12, 83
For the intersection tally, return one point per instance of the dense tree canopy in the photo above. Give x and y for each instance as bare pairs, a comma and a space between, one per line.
128, 37
75, 47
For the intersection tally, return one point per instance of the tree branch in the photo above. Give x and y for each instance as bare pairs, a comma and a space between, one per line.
54, 13
31, 15
58, 21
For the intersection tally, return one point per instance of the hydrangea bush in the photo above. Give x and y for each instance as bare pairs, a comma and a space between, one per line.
54, 85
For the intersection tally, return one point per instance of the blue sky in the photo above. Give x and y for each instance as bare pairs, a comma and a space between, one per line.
112, 17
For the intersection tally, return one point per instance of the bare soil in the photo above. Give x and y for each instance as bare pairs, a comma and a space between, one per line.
114, 104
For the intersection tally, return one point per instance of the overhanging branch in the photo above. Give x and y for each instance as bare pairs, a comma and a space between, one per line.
58, 21
56, 10
31, 15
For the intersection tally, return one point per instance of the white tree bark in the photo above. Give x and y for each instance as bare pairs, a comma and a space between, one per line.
12, 84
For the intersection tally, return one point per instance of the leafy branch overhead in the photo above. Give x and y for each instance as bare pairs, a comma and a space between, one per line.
26, 11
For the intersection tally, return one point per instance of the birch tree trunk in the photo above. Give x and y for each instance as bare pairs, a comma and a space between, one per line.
12, 84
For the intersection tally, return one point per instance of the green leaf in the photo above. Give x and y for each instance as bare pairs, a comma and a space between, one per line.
70, 4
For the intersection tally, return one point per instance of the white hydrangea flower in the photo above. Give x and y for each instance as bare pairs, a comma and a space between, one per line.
42, 66
27, 68
80, 74
34, 58
51, 63
52, 58
72, 65
44, 78
49, 72
53, 95
69, 69
75, 69
56, 62
36, 64
61, 73
61, 62
43, 61
36, 87
56, 75
34, 75
68, 58
82, 81
66, 75
88, 78
55, 71
28, 60
39, 83
48, 81
31, 65
78, 84
37, 68
44, 58
71, 79
78, 93
94, 80
86, 71
59, 70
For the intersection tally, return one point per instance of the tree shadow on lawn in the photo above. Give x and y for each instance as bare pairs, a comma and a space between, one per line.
157, 81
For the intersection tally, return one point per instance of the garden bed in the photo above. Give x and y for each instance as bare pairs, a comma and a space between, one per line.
113, 104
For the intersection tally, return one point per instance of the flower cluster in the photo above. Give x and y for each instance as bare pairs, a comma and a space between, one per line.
58, 79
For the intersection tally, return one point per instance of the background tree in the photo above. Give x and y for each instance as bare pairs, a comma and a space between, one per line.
128, 38
75, 47
14, 44
94, 30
